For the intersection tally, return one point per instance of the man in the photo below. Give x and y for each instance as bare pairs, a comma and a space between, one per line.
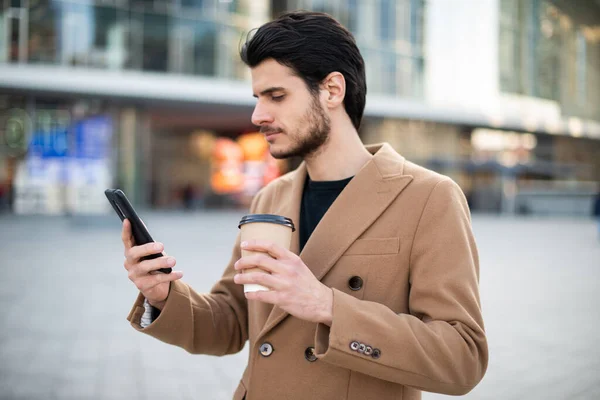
378, 297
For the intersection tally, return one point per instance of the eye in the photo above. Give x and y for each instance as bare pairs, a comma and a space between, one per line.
277, 98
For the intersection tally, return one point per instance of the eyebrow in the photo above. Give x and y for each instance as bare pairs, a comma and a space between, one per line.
269, 90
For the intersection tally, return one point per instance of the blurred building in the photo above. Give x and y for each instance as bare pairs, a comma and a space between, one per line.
151, 96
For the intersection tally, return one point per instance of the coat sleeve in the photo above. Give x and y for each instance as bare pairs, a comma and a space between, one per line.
440, 346
215, 323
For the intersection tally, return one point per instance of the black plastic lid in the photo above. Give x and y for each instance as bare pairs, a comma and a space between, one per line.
269, 218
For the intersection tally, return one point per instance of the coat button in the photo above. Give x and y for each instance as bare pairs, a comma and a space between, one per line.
376, 353
355, 283
368, 351
354, 346
266, 349
361, 348
309, 354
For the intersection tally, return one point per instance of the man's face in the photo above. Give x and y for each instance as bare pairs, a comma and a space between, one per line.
291, 118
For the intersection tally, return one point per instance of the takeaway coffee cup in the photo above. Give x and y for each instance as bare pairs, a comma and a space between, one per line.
274, 228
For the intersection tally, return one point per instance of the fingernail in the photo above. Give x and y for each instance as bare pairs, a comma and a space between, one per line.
244, 244
157, 246
170, 262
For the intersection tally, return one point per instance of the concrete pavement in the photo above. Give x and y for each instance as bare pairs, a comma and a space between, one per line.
64, 296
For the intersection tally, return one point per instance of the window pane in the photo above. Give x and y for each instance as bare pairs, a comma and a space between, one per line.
387, 20
510, 47
204, 49
548, 49
232, 6
581, 68
146, 4
192, 45
389, 74
401, 13
351, 15
417, 23
105, 19
181, 46
75, 34
155, 51
83, 34
196, 4
110, 30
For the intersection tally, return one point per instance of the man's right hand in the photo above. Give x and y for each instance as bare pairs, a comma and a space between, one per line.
153, 284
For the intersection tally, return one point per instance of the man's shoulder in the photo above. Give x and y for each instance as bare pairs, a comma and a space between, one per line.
426, 180
391, 163
422, 174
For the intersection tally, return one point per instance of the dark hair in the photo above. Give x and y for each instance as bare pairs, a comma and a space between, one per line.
313, 45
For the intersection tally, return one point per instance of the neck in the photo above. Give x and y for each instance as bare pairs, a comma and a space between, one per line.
342, 156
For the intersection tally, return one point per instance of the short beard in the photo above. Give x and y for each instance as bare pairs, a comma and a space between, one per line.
319, 127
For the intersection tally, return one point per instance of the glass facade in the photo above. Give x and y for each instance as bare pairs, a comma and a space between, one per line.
198, 37
550, 51
202, 37
389, 34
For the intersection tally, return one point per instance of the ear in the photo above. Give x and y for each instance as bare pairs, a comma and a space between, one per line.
334, 86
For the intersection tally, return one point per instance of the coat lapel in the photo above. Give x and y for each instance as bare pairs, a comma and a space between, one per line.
292, 200
367, 195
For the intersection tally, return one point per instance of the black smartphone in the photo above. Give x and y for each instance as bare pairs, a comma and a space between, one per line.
124, 209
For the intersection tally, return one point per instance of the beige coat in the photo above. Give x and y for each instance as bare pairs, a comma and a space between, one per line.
413, 324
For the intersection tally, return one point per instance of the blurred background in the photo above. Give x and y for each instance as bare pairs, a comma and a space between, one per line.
151, 96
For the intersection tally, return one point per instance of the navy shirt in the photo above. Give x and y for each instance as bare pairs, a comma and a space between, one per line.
317, 197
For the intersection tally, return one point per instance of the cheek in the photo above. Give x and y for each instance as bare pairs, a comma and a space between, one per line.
295, 123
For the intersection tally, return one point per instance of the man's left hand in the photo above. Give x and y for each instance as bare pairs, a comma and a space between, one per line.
293, 287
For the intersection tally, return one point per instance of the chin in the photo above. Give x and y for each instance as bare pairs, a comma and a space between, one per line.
281, 152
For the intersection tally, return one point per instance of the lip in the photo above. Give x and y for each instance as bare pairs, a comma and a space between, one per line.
271, 136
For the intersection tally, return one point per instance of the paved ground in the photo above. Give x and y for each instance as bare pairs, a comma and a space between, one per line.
64, 297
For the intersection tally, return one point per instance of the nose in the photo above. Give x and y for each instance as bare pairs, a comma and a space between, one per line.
261, 116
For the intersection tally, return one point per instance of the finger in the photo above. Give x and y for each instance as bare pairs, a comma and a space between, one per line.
137, 252
259, 278
262, 261
143, 268
149, 266
265, 246
126, 235
150, 281
271, 297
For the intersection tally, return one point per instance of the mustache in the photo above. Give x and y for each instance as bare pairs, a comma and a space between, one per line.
265, 130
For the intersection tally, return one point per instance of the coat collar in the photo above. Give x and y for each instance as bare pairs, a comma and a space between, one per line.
363, 200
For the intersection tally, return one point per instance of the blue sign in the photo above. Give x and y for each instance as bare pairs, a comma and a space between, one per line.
92, 138
88, 139
50, 143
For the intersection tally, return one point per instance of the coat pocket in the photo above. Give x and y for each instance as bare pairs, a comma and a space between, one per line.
374, 246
